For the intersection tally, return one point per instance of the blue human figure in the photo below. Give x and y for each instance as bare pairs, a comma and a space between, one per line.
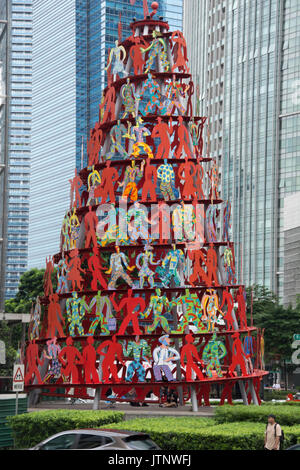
137, 349
76, 308
143, 267
170, 266
155, 103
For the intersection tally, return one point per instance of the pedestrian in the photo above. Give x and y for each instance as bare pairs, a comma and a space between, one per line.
273, 434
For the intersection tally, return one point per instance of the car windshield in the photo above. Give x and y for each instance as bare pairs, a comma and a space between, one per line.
140, 443
92, 441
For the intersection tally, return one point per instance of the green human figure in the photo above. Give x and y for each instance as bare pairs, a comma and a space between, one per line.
192, 312
213, 352
157, 303
100, 302
76, 308
137, 349
170, 266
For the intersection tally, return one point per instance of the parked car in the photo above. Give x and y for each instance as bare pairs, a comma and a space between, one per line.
97, 439
294, 447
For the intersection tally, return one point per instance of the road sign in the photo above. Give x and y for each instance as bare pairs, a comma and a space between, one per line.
18, 378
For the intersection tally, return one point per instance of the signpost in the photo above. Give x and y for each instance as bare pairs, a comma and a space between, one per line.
18, 381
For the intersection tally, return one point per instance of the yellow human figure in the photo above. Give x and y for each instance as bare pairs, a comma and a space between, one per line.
74, 229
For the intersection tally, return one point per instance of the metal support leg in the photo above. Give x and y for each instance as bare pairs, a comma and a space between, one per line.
96, 402
253, 393
194, 399
243, 392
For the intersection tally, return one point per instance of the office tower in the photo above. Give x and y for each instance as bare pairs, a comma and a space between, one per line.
291, 248
260, 165
71, 41
18, 56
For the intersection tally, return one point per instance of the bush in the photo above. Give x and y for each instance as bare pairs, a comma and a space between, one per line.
205, 434
285, 415
31, 428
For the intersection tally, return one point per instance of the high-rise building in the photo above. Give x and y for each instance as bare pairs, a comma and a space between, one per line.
71, 42
19, 53
260, 141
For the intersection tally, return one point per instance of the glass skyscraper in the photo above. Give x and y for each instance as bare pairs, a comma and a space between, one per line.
260, 137
19, 141
71, 41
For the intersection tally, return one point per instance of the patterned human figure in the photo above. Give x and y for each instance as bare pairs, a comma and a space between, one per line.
229, 264
228, 300
90, 223
192, 312
183, 137
210, 307
138, 133
143, 261
166, 175
62, 277
241, 309
190, 353
130, 304
100, 302
212, 355
226, 221
116, 269
53, 350
211, 229
117, 56
89, 362
95, 268
113, 352
239, 357
155, 103
138, 222
54, 317
130, 99
174, 93
74, 229
214, 179
36, 318
171, 266
69, 357
163, 355
109, 177
129, 185
157, 305
116, 146
183, 222
33, 362
137, 349
76, 308
94, 187
157, 48
149, 186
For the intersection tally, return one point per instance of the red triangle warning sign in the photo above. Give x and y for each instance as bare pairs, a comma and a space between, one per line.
18, 375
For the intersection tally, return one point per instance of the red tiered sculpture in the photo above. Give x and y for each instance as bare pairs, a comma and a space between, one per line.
146, 290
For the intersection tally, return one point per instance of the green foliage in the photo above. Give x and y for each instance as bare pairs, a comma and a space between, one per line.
205, 434
285, 414
31, 428
10, 349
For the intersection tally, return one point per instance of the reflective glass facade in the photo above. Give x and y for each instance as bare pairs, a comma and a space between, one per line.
71, 41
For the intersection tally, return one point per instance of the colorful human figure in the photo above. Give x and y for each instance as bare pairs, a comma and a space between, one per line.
166, 175
113, 352
239, 357
76, 183
157, 305
229, 264
157, 48
69, 357
117, 56
129, 184
33, 362
130, 305
143, 261
183, 137
109, 177
90, 223
163, 355
213, 175
212, 355
150, 182
76, 308
64, 234
210, 308
116, 269
171, 266
53, 350
211, 224
138, 222
137, 349
138, 133
54, 317
192, 312
190, 353
226, 221
74, 229
179, 51
187, 172
89, 362
155, 104
74, 270
116, 147
162, 131
36, 318
228, 300
61, 274
248, 349
100, 302
130, 99
174, 93
241, 309
94, 187
212, 266
95, 268
196, 130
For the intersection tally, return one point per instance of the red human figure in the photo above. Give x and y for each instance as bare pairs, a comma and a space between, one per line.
89, 362
33, 362
55, 317
108, 105
190, 91
95, 268
69, 357
227, 393
198, 258
189, 171
204, 393
48, 288
94, 145
109, 176
150, 174
212, 266
162, 131
76, 184
137, 55
199, 180
131, 303
189, 351
183, 137
114, 351
90, 223
74, 270
241, 310
179, 52
238, 356
228, 300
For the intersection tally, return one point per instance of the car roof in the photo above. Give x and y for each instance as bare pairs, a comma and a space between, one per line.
105, 432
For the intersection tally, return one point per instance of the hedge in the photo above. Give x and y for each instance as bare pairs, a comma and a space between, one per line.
200, 434
31, 428
285, 414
